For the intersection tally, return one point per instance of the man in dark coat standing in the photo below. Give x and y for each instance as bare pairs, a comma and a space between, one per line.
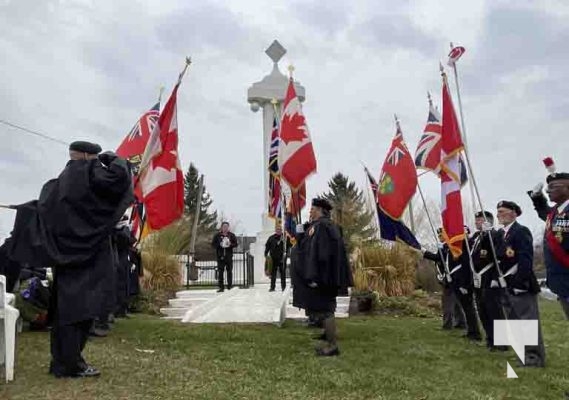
69, 228
275, 248
326, 271
224, 242
516, 263
487, 290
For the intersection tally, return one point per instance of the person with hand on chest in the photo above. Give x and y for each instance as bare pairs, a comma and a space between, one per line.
224, 242
556, 237
516, 262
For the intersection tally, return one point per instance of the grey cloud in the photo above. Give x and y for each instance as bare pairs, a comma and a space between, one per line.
396, 32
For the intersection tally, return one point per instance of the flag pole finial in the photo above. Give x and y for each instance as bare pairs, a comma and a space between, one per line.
187, 64
290, 70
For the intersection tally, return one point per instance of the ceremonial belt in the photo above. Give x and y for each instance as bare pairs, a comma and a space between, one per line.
554, 246
455, 269
478, 275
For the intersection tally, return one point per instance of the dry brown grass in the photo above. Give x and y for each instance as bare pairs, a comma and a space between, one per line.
387, 271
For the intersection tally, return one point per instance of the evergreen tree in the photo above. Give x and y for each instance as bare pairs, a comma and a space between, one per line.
207, 221
349, 210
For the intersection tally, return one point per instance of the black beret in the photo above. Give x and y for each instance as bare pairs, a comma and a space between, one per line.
510, 205
321, 203
85, 147
486, 214
561, 176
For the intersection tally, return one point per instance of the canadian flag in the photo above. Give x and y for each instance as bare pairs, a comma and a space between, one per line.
161, 178
296, 155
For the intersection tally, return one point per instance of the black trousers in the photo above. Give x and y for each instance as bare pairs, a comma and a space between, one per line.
467, 303
225, 265
489, 305
67, 344
525, 306
281, 270
453, 316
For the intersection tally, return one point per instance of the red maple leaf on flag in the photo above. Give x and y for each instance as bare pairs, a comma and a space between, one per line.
293, 128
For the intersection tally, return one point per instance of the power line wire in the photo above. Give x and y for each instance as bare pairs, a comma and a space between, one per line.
42, 135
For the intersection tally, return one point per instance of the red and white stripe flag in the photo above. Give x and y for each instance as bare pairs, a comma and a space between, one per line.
455, 54
161, 178
451, 205
296, 154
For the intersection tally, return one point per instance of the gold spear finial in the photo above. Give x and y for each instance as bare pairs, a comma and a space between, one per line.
291, 69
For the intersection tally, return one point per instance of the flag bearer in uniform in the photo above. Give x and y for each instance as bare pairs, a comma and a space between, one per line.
487, 291
516, 263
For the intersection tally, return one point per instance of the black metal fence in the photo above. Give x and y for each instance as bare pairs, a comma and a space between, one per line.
202, 272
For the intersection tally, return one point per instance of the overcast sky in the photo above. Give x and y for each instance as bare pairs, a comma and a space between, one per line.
87, 70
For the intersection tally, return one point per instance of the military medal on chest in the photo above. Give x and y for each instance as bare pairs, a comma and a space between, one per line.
510, 252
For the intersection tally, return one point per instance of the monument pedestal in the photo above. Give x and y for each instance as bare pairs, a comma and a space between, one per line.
268, 95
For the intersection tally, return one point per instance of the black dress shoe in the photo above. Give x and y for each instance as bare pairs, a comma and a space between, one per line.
473, 337
220, 290
271, 290
322, 336
328, 352
89, 372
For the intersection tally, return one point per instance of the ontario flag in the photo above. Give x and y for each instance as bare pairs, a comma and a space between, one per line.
451, 201
161, 178
296, 154
428, 154
133, 145
390, 229
274, 175
398, 179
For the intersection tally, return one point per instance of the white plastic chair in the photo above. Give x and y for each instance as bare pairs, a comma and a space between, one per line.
8, 318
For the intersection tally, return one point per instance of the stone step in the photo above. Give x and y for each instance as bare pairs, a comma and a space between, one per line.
173, 312
199, 293
188, 302
299, 315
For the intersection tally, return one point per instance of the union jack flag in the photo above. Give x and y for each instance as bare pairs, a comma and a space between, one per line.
428, 154
274, 174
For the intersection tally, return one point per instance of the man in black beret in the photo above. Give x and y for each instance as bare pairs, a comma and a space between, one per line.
326, 271
69, 228
487, 291
516, 263
556, 237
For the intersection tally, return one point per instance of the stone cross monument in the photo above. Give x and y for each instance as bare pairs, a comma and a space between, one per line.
261, 95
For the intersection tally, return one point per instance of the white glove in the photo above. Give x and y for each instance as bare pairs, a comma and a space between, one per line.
313, 285
463, 290
133, 268
225, 242
49, 274
486, 226
299, 228
536, 191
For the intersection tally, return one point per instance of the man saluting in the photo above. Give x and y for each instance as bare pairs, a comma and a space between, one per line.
69, 228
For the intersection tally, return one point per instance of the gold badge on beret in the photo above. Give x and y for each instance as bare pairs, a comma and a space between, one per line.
483, 253
510, 252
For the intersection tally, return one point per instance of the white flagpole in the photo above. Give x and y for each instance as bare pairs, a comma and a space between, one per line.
475, 192
464, 136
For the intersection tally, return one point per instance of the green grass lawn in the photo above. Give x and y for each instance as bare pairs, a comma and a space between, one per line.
386, 357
